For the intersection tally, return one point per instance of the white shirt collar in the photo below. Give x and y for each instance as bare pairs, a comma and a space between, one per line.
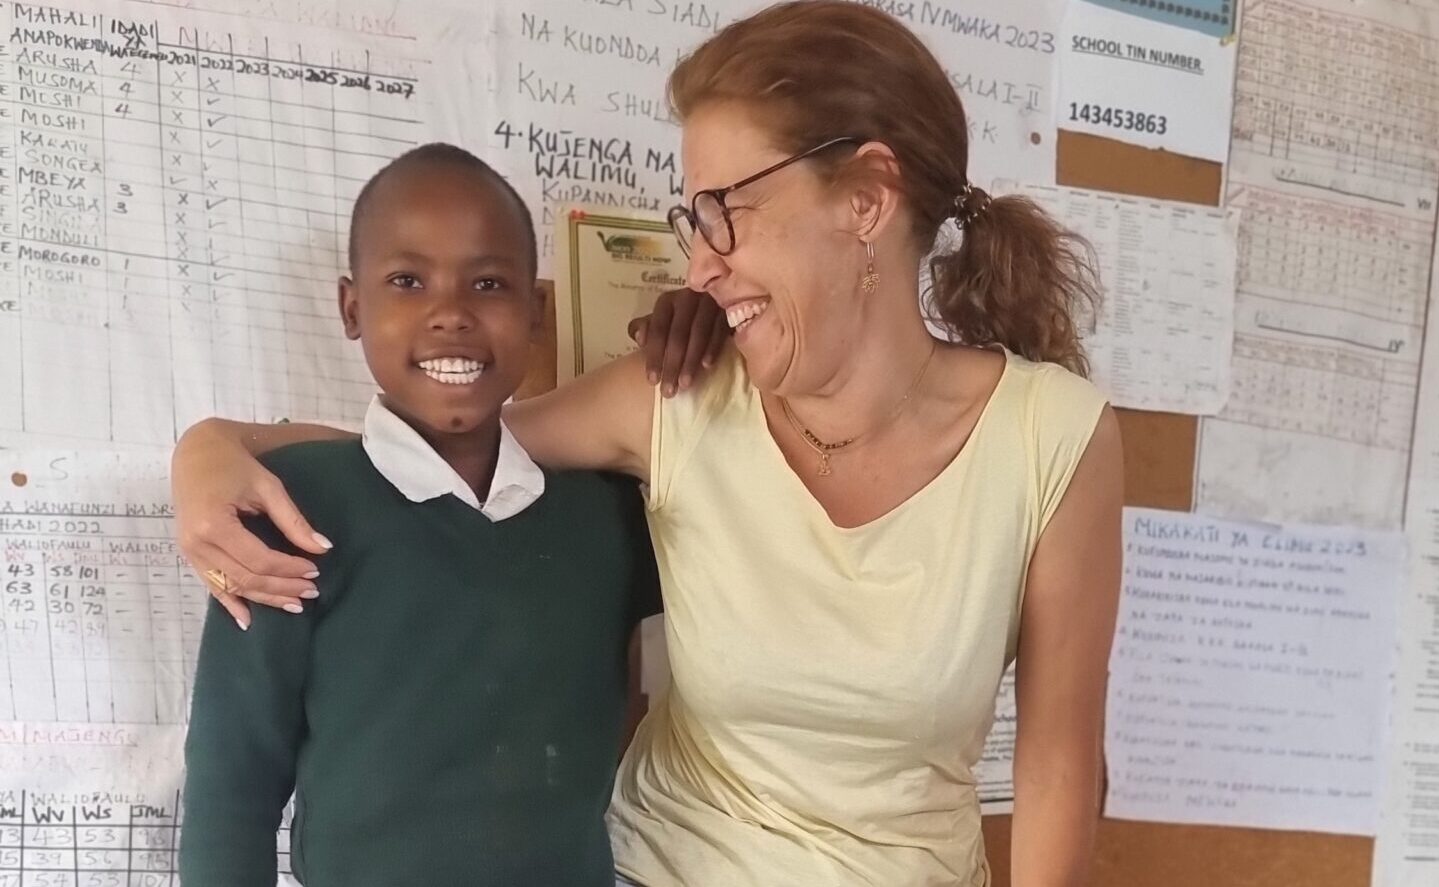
412, 466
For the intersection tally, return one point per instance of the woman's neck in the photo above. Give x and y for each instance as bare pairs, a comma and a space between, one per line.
881, 367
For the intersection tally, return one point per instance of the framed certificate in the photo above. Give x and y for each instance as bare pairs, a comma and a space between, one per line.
609, 269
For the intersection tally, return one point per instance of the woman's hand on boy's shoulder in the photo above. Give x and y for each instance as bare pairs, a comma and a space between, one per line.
215, 481
681, 339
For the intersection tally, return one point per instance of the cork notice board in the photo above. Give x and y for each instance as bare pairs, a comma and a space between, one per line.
1159, 473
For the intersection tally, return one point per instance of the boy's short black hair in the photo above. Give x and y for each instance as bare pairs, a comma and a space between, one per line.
440, 153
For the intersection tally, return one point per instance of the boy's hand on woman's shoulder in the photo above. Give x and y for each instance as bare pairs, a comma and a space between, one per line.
681, 339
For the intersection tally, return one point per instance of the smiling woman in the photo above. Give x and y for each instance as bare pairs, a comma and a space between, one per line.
858, 526
837, 641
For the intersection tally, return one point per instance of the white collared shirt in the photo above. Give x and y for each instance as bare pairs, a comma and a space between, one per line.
412, 466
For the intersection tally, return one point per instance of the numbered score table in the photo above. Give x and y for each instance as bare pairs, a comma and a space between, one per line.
100, 844
48, 841
99, 621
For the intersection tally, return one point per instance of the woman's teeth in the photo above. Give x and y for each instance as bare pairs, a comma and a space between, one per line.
744, 312
453, 370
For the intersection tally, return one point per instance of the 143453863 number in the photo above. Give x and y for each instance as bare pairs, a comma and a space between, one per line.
1119, 118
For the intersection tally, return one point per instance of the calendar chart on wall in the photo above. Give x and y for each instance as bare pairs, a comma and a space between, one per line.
1334, 170
174, 217
176, 183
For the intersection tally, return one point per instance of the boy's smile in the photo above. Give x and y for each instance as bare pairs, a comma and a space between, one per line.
452, 370
442, 299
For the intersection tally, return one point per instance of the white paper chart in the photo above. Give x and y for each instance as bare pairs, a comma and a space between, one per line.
1251, 670
1335, 170
174, 218
96, 839
994, 774
1163, 337
1340, 98
101, 614
1344, 367
87, 841
99, 629
1406, 853
97, 646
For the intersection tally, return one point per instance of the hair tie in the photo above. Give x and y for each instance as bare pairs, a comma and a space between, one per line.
969, 204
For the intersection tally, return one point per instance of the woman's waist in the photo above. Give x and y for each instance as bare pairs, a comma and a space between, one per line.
795, 782
669, 829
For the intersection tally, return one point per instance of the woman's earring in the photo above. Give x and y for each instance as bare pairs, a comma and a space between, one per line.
870, 281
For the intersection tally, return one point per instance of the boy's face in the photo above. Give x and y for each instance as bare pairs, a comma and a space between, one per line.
443, 296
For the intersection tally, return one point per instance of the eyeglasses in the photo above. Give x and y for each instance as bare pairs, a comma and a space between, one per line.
708, 215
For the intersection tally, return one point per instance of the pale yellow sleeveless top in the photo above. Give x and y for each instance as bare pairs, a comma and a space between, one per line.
832, 688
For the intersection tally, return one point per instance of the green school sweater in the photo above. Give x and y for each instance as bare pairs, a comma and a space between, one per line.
447, 712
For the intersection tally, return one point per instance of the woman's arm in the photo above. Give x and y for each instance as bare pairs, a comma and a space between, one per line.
1066, 628
599, 421
603, 419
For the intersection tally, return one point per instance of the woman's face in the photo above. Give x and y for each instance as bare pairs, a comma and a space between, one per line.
791, 286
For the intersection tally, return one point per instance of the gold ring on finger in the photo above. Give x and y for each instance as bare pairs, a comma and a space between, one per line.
218, 580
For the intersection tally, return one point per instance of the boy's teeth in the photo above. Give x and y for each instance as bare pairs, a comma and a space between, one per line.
452, 365
453, 370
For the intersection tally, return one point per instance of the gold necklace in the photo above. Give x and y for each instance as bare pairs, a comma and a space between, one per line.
825, 449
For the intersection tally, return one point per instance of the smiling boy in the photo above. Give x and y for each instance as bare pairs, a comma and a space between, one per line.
448, 709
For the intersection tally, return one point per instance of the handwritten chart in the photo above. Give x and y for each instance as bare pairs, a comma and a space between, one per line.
1341, 102
994, 773
101, 617
99, 628
174, 215
1344, 366
1163, 338
607, 138
1335, 170
99, 839
1250, 676
1406, 853
175, 186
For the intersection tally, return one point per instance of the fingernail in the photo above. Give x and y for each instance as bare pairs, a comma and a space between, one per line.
244, 626
310, 594
323, 542
313, 574
654, 377
294, 608
669, 390
708, 362
685, 381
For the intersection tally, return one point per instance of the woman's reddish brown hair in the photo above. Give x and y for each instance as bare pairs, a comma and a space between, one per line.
814, 70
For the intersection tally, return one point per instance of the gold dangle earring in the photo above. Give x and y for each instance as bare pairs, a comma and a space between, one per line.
870, 281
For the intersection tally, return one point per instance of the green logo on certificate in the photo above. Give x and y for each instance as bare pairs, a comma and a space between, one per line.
635, 248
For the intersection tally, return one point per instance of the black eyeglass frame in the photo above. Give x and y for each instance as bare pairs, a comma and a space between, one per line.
688, 214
